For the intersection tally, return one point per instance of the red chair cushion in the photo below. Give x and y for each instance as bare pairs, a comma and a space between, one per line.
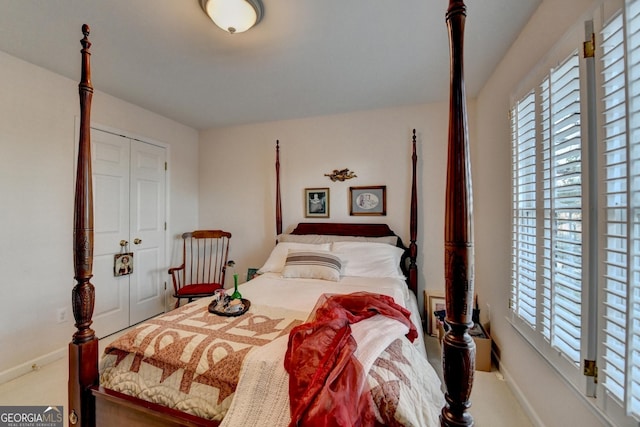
198, 289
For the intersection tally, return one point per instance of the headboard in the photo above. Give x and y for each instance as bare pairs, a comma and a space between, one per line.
364, 230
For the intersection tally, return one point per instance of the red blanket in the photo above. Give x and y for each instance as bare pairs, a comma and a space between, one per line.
326, 382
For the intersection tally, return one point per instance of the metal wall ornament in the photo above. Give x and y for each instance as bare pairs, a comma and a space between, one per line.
341, 175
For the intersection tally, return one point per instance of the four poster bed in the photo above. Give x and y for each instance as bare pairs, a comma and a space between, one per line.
189, 367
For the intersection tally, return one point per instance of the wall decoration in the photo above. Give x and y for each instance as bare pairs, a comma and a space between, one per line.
123, 264
368, 200
341, 175
316, 202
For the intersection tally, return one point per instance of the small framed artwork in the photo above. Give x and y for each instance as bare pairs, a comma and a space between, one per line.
123, 264
251, 273
435, 302
316, 202
368, 200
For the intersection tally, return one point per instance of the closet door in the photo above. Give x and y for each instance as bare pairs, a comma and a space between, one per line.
110, 166
147, 225
129, 216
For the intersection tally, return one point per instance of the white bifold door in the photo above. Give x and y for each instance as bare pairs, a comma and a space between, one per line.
129, 181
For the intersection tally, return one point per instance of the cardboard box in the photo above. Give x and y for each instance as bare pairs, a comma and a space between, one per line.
483, 351
483, 348
441, 332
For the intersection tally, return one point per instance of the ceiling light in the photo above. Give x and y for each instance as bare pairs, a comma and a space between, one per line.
233, 16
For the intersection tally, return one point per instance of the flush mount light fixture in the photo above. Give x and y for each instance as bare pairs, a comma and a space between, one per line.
233, 16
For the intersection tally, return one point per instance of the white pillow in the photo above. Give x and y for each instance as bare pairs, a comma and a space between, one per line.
303, 264
275, 262
328, 238
366, 259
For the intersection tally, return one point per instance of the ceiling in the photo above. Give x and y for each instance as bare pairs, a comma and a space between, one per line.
305, 58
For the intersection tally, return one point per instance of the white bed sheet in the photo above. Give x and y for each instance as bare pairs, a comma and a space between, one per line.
301, 294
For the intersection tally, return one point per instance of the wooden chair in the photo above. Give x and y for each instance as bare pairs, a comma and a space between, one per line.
204, 263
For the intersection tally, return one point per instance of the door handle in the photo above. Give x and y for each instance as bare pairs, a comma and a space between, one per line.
137, 241
123, 243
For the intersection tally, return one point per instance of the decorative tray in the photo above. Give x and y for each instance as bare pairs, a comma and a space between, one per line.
224, 307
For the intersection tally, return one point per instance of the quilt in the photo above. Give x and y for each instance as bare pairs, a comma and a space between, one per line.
402, 387
190, 359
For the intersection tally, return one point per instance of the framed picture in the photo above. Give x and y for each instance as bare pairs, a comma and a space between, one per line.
123, 264
368, 200
435, 302
251, 273
316, 202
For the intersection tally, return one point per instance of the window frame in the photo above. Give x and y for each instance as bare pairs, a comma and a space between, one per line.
571, 373
625, 410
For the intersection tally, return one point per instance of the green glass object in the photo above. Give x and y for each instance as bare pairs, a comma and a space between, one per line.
235, 294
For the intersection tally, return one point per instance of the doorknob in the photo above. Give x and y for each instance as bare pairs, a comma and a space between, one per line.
137, 241
123, 243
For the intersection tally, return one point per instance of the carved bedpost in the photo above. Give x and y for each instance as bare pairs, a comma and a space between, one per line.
413, 222
458, 350
278, 200
83, 350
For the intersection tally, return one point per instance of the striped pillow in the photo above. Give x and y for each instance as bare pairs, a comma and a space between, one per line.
303, 264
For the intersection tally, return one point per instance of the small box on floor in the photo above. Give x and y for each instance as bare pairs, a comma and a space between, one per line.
483, 347
441, 331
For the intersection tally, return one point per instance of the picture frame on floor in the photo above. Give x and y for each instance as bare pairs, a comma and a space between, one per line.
434, 301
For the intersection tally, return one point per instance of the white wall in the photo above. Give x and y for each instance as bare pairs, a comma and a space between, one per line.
38, 110
550, 401
237, 177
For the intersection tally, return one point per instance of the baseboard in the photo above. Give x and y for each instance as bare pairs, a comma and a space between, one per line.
520, 397
32, 365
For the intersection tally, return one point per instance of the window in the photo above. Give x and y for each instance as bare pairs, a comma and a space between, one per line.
575, 290
621, 204
547, 212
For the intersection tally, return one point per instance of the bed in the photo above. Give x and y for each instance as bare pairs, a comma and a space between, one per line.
200, 353
92, 403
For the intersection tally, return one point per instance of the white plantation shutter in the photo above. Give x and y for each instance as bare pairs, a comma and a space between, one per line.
633, 44
563, 216
620, 366
546, 246
547, 179
524, 271
615, 272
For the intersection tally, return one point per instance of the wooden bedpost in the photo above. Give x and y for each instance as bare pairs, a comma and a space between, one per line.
83, 349
458, 349
278, 200
413, 221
